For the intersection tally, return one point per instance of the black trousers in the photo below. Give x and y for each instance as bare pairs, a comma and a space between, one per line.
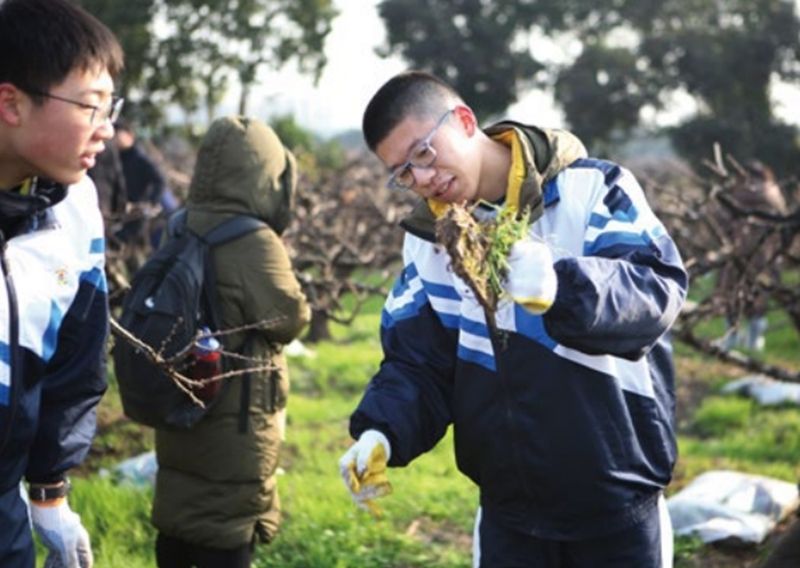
647, 544
175, 553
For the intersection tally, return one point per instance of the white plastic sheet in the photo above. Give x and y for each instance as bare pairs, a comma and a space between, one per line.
139, 470
765, 390
297, 349
721, 505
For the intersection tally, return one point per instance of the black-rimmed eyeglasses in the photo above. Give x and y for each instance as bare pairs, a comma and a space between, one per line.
109, 111
422, 155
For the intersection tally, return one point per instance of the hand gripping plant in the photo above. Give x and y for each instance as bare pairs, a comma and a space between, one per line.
479, 249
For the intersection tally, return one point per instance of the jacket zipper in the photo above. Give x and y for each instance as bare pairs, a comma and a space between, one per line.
13, 312
499, 345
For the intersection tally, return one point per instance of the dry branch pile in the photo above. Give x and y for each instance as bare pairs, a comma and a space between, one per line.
345, 241
738, 230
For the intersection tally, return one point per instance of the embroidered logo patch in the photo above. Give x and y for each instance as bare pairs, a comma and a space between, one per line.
62, 276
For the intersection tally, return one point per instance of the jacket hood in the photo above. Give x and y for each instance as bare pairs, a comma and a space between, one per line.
26, 208
544, 153
243, 168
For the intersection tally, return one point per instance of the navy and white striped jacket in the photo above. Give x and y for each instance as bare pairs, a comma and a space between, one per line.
53, 327
566, 423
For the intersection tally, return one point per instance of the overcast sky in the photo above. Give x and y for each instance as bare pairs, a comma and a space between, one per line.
354, 72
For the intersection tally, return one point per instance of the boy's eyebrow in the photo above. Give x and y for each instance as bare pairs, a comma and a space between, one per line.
100, 92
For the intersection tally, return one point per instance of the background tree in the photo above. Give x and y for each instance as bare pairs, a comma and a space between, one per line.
634, 53
188, 51
601, 96
131, 22
726, 54
477, 46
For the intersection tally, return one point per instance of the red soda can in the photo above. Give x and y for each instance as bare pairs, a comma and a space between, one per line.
207, 364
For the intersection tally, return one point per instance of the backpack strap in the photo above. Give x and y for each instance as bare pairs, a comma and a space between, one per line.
177, 223
225, 231
232, 229
244, 404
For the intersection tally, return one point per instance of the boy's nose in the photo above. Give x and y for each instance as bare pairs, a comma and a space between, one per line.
105, 130
423, 176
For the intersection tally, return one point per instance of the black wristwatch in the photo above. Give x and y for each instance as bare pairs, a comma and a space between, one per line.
42, 493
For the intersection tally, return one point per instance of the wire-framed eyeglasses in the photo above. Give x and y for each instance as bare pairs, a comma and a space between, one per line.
108, 111
422, 155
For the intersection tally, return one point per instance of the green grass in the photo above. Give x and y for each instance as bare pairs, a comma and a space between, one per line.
119, 521
323, 528
719, 415
422, 517
427, 520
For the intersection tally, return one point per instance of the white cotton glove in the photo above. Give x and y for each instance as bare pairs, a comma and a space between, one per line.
531, 280
63, 534
363, 469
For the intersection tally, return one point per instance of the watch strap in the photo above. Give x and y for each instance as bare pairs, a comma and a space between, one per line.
38, 492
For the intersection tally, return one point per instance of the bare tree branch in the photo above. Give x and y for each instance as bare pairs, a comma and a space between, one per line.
173, 366
739, 240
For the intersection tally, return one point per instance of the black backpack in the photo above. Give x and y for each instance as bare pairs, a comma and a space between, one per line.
171, 297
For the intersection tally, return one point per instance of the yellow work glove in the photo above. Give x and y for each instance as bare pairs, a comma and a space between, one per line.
363, 469
532, 280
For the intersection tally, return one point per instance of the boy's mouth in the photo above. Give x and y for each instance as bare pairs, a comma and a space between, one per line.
443, 189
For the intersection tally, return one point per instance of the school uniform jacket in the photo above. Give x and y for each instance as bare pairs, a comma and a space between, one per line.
565, 421
53, 327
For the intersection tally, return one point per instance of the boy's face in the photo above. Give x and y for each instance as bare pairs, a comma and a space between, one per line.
59, 139
453, 175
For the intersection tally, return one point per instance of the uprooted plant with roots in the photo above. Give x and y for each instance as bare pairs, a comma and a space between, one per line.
479, 249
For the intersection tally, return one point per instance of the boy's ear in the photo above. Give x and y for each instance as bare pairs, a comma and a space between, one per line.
9, 104
466, 118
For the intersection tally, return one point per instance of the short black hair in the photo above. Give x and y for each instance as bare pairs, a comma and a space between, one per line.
43, 41
412, 92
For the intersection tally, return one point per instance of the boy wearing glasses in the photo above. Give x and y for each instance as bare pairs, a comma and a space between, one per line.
56, 107
564, 416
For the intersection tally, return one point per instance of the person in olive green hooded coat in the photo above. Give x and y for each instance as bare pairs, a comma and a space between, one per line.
216, 490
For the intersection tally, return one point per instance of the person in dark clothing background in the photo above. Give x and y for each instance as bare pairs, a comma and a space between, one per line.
112, 198
746, 315
143, 177
109, 179
145, 184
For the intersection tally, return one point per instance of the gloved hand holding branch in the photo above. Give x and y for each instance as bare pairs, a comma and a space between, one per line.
363, 469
